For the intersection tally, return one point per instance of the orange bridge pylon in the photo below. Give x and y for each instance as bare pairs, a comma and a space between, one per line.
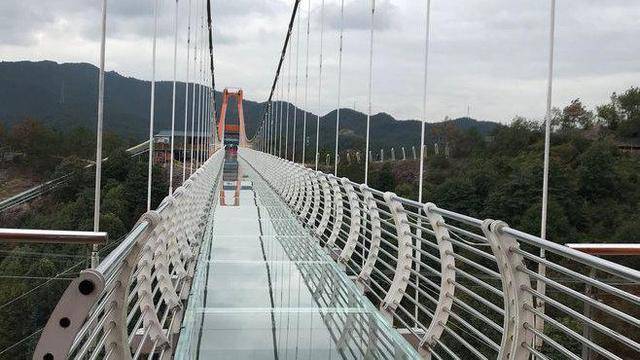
225, 129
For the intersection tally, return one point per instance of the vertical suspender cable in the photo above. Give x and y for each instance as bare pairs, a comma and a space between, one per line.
173, 101
186, 99
366, 155
212, 73
193, 100
273, 127
541, 286
295, 100
200, 92
274, 132
274, 120
286, 143
335, 160
424, 99
319, 85
153, 102
267, 133
96, 205
422, 130
199, 127
210, 122
306, 88
280, 122
200, 98
207, 148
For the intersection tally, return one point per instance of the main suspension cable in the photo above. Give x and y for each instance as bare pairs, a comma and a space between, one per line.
282, 56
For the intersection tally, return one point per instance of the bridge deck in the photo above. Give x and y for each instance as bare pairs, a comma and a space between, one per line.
268, 291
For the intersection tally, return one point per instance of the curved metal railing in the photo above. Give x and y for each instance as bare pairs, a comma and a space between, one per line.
131, 305
460, 287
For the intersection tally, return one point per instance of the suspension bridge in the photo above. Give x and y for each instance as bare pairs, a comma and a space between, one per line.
259, 255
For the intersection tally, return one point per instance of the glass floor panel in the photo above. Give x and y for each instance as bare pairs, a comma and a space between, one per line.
264, 288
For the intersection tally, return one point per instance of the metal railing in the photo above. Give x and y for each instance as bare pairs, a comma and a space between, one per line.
460, 287
39, 190
131, 305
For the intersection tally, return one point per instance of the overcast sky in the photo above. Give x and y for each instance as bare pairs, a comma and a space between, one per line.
490, 55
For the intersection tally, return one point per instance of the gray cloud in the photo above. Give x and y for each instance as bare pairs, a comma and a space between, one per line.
357, 15
490, 55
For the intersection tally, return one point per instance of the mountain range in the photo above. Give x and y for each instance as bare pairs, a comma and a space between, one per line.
63, 96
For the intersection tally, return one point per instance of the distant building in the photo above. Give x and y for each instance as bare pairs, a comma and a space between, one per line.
162, 145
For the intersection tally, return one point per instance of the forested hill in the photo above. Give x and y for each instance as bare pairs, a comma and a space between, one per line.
63, 96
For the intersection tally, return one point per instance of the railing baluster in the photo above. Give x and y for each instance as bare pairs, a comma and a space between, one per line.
515, 338
447, 279
403, 263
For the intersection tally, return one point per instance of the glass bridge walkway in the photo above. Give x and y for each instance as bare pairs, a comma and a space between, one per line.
269, 291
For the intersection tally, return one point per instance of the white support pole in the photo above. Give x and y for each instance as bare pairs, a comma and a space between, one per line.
370, 93
541, 286
173, 100
319, 85
306, 88
186, 99
335, 167
98, 185
153, 102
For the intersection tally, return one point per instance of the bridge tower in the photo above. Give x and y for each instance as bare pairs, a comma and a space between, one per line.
232, 133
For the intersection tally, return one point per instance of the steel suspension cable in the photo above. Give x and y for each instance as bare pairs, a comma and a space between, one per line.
340, 45
295, 101
186, 98
98, 184
153, 102
173, 100
370, 92
306, 88
319, 85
